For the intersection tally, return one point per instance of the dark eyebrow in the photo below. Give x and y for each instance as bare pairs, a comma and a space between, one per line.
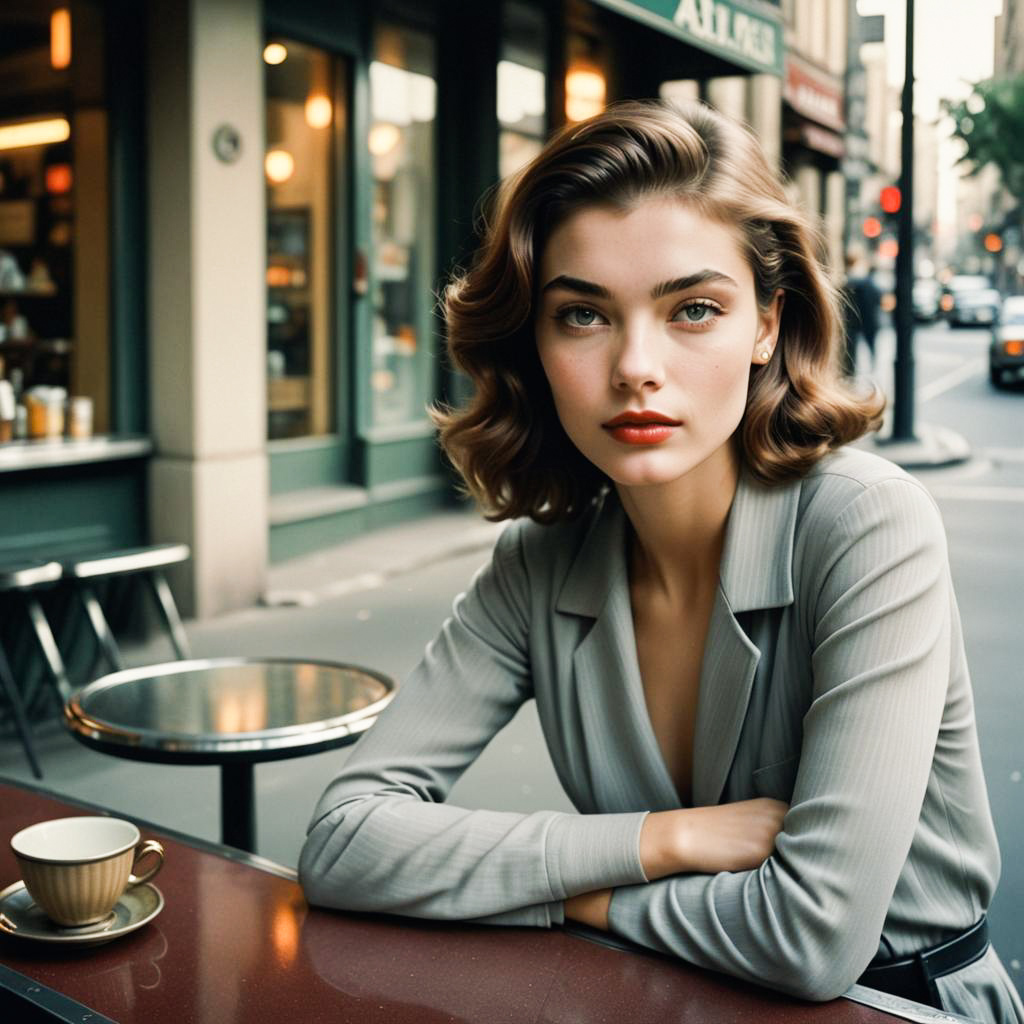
679, 284
575, 284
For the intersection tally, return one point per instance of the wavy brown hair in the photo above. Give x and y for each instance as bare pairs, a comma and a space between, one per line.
507, 442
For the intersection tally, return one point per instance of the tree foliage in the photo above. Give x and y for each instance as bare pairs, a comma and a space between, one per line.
991, 124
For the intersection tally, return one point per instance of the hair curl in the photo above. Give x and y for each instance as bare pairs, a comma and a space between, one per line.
507, 442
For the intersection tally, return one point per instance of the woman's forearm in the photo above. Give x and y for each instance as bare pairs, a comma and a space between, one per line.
705, 840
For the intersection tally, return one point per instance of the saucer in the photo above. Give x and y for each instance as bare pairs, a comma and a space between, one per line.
19, 916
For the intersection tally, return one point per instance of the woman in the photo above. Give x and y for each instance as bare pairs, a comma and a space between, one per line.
741, 636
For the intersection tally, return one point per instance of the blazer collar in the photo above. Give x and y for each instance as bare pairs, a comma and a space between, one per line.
757, 559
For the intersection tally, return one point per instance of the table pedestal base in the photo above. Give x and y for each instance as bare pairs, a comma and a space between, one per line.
237, 807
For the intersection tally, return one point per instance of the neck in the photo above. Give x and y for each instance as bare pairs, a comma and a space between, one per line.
679, 528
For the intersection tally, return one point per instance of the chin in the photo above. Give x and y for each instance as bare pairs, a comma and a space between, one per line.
649, 470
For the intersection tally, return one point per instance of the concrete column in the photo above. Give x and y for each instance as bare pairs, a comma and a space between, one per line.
834, 216
764, 107
808, 182
208, 482
728, 95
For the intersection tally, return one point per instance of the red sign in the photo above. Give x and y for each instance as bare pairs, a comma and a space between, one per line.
814, 93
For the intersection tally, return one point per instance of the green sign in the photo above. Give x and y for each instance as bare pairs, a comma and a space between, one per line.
725, 28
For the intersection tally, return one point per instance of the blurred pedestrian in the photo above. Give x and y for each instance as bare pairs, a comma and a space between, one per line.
862, 301
740, 633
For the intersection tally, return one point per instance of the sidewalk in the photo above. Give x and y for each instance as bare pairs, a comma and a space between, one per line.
368, 560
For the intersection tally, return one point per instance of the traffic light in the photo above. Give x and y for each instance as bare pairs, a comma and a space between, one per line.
890, 199
993, 242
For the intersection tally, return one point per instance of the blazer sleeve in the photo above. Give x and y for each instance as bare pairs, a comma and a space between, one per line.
807, 921
382, 839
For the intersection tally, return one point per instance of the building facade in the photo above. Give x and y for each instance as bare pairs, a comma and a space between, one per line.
238, 257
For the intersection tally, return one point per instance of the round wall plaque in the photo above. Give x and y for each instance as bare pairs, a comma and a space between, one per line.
227, 143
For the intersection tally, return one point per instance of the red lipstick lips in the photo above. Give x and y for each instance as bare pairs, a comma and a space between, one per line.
643, 427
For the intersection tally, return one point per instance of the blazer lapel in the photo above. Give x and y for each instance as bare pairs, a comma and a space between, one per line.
625, 766
756, 572
726, 679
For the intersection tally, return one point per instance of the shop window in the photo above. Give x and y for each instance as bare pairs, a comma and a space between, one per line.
302, 98
521, 87
403, 99
54, 222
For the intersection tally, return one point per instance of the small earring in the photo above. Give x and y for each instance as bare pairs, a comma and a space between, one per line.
764, 355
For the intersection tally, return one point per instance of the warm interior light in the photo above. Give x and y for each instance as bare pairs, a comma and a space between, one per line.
275, 53
60, 38
58, 179
34, 133
585, 91
279, 165
278, 277
319, 110
383, 138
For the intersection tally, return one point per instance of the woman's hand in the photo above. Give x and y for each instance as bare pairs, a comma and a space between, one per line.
705, 840
696, 840
590, 908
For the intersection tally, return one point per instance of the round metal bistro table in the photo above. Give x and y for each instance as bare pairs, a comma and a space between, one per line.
232, 712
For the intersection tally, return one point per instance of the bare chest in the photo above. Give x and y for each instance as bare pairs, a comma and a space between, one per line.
670, 650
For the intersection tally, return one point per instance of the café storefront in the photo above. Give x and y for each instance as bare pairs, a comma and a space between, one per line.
263, 203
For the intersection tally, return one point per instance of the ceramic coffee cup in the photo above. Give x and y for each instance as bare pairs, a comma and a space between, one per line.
77, 868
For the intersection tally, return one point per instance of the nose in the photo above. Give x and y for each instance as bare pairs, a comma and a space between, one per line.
639, 364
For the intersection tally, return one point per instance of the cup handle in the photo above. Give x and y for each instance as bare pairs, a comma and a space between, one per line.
145, 848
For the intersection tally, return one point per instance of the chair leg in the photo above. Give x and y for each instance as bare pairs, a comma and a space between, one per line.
21, 720
165, 599
48, 645
101, 627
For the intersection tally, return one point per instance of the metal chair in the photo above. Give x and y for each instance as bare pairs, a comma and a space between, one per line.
23, 580
148, 562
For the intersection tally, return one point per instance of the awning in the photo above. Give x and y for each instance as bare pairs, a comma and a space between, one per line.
747, 34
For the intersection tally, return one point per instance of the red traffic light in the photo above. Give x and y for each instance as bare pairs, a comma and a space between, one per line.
890, 199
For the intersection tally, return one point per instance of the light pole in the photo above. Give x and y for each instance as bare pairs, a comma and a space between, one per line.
903, 391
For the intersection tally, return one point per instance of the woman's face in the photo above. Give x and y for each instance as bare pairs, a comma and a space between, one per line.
647, 326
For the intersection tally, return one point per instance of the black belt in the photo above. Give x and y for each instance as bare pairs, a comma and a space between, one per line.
913, 977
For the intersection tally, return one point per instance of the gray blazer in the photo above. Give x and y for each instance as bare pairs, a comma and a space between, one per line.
833, 678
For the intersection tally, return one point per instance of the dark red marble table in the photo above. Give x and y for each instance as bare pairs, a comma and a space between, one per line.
237, 942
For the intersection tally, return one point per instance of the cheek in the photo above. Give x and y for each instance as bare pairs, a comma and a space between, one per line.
569, 376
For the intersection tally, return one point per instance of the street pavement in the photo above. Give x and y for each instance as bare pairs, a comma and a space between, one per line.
379, 599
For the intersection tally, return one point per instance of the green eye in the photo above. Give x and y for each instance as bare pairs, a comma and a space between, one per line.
580, 316
697, 313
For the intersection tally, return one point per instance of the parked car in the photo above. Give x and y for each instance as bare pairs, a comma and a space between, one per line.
1006, 352
970, 299
926, 294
